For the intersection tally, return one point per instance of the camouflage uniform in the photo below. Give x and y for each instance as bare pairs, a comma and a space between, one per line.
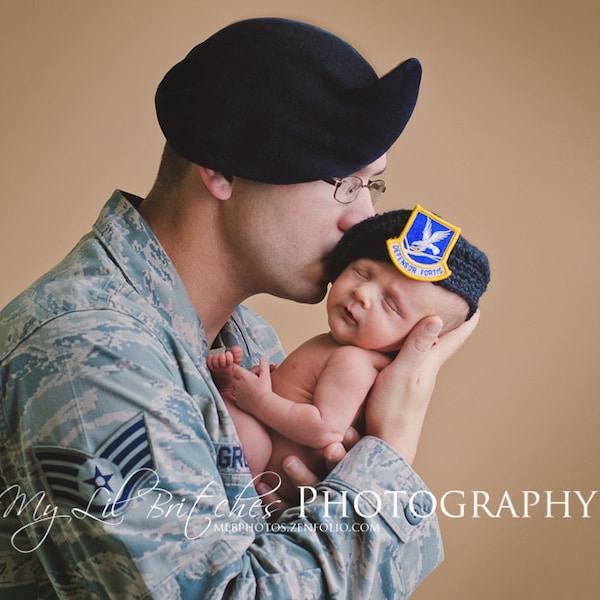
121, 472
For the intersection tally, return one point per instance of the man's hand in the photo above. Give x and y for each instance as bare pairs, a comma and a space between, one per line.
398, 402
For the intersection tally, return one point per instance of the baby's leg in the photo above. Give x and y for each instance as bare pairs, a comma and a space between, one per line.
254, 437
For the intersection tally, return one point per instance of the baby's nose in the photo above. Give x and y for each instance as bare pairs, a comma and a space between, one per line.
363, 294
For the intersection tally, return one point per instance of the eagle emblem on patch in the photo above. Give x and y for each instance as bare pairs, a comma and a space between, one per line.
105, 480
422, 249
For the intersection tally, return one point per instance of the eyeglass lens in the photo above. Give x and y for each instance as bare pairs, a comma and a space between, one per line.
349, 188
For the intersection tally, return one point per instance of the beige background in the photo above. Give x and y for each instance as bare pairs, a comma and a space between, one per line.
505, 142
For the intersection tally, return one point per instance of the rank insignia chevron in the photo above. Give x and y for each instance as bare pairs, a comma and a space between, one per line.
109, 478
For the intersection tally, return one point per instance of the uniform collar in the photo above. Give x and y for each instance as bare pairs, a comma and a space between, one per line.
138, 253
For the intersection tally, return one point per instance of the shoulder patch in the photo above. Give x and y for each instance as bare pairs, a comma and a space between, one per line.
422, 249
106, 479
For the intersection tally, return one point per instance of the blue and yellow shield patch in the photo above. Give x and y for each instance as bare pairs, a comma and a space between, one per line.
422, 249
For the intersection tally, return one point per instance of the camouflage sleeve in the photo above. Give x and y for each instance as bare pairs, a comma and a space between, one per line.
117, 486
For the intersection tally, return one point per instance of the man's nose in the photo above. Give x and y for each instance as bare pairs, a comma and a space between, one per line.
357, 211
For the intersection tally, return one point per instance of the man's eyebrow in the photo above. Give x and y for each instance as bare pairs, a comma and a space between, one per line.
373, 175
381, 172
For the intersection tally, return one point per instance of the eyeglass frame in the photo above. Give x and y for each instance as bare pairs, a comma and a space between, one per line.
338, 182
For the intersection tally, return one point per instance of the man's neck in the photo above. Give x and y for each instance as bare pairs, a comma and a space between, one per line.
189, 234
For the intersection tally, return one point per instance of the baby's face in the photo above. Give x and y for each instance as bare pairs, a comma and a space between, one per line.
372, 305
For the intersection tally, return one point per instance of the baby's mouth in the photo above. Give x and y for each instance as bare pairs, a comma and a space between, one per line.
349, 315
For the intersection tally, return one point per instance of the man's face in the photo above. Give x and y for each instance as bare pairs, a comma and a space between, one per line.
372, 305
282, 233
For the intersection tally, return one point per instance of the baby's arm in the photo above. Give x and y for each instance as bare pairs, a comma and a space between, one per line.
341, 388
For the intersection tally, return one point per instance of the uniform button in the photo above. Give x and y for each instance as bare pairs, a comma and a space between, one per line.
411, 517
420, 509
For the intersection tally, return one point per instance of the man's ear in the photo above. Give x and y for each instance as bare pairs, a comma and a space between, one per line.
216, 183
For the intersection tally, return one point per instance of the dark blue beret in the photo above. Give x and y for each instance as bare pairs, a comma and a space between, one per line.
280, 101
367, 239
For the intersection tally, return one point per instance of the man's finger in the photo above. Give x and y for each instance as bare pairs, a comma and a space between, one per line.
450, 342
419, 342
333, 453
298, 472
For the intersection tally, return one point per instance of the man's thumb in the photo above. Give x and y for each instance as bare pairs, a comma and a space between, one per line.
425, 334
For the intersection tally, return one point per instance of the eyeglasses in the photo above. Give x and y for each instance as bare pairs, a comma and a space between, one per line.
348, 188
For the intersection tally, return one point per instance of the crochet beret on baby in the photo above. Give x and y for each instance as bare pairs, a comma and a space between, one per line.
367, 239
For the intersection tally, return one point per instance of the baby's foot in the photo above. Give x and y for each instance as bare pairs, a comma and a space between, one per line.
220, 366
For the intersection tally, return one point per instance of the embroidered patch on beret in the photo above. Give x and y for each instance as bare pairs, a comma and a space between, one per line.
422, 249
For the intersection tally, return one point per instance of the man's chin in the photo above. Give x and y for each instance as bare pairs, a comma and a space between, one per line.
313, 296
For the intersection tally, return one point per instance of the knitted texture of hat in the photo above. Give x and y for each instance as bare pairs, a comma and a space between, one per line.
367, 239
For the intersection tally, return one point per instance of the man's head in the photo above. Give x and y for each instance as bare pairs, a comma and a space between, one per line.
260, 119
279, 101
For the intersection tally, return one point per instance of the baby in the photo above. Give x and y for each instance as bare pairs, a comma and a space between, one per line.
387, 274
